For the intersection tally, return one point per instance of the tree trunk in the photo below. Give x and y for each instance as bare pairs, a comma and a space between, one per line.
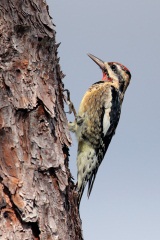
37, 197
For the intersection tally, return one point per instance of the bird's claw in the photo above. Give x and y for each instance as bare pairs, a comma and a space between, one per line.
69, 103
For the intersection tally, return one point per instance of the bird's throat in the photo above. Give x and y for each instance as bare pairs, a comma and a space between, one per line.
106, 78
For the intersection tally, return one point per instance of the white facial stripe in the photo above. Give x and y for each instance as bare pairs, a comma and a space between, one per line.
119, 68
121, 71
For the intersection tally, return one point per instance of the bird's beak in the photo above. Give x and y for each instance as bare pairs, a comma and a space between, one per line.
98, 61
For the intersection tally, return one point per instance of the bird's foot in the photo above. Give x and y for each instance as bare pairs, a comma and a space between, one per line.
69, 103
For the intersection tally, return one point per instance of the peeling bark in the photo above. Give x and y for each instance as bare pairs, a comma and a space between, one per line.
37, 197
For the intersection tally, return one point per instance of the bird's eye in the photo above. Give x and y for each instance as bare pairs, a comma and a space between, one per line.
114, 68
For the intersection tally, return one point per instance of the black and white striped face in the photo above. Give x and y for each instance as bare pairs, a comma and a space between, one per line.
114, 72
117, 72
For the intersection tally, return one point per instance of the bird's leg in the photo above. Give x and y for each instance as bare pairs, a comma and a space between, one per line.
72, 125
69, 103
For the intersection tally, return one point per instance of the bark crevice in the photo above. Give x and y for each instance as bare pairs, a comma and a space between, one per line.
37, 194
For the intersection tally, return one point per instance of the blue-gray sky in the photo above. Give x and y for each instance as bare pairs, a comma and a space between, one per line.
125, 200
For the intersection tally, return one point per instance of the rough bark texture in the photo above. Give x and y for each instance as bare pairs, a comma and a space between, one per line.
37, 198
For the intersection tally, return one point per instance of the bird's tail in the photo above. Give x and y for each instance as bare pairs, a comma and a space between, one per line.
80, 191
91, 182
90, 186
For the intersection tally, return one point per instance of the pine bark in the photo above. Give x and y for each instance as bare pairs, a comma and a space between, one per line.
37, 196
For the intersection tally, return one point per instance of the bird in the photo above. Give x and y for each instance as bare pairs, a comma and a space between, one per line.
97, 119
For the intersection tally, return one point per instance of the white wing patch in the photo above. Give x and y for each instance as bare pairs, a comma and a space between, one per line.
106, 121
106, 118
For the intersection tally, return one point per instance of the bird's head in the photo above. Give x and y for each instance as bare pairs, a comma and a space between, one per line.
114, 72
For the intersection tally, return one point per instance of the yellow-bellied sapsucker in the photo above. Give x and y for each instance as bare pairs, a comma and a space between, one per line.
97, 119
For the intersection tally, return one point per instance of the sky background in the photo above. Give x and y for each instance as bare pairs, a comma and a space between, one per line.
125, 200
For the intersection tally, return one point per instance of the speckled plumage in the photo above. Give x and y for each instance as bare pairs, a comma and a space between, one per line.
96, 121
